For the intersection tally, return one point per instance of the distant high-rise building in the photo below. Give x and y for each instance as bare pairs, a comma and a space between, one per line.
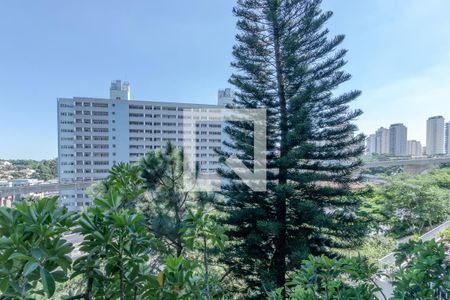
120, 90
447, 138
225, 97
435, 135
398, 136
415, 148
371, 143
382, 141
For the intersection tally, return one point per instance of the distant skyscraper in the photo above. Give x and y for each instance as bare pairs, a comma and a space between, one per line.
447, 139
120, 90
225, 97
398, 135
371, 143
382, 141
415, 148
435, 135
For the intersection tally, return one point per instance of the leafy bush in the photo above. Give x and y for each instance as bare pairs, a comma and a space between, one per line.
424, 271
326, 278
32, 248
408, 205
117, 247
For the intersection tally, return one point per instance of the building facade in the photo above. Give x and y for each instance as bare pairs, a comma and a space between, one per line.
95, 134
371, 144
435, 135
382, 141
415, 148
398, 136
447, 138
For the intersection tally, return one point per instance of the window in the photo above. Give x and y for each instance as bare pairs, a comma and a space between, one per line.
136, 115
100, 113
136, 123
100, 129
100, 121
64, 105
100, 104
100, 138
136, 131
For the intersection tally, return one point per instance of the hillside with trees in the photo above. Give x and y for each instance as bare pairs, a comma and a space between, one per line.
27, 168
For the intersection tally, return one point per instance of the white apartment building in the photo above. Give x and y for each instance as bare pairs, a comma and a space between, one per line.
435, 135
447, 138
371, 144
398, 136
415, 148
94, 134
382, 141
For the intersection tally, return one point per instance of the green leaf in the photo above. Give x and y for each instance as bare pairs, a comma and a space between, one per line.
30, 267
4, 283
19, 256
98, 235
59, 276
4, 241
48, 282
37, 253
5, 213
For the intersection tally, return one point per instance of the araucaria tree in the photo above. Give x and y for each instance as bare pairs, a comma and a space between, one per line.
287, 62
162, 173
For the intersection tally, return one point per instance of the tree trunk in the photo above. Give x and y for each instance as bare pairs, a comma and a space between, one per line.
205, 262
280, 241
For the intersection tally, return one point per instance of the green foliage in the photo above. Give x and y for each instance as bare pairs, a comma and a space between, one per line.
162, 172
412, 205
408, 205
97, 190
202, 232
116, 246
376, 247
122, 259
200, 227
32, 249
45, 169
177, 281
125, 180
189, 277
424, 270
287, 63
446, 235
325, 278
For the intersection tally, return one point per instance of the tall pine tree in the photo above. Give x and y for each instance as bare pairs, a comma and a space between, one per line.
286, 62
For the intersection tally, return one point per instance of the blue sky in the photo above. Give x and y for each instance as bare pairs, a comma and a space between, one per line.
181, 50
